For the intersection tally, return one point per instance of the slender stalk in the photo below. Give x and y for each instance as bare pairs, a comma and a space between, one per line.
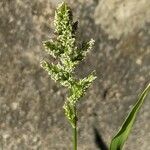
75, 131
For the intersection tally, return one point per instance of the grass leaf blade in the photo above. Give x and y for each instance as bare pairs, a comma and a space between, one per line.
122, 135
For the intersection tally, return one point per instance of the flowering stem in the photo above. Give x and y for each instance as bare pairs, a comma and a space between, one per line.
75, 131
64, 48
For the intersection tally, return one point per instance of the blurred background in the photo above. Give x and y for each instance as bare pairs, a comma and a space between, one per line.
31, 113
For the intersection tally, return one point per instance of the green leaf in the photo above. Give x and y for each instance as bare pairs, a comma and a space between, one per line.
120, 138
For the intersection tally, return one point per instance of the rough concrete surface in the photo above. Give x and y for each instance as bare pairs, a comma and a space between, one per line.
31, 114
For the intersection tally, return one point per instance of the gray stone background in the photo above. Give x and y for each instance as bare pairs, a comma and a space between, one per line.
31, 114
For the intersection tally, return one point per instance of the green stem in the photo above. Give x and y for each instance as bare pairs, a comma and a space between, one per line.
75, 131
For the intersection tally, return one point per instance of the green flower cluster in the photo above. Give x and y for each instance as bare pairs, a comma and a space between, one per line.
64, 48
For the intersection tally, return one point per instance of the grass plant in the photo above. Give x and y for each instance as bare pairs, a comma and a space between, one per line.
64, 48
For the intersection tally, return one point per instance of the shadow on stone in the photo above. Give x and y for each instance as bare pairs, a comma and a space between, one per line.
99, 141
